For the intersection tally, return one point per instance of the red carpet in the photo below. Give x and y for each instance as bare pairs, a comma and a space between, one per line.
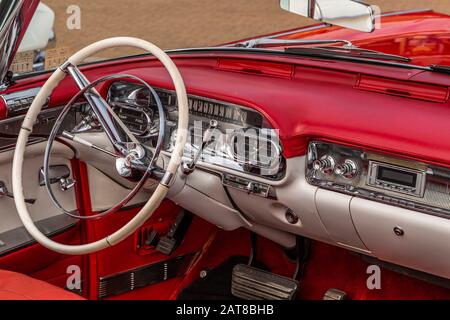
332, 267
328, 267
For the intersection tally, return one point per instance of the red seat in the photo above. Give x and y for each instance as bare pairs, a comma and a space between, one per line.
16, 286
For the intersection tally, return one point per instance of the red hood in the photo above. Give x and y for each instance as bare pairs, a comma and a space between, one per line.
423, 36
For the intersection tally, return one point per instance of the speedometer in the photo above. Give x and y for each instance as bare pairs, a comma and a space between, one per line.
133, 105
244, 140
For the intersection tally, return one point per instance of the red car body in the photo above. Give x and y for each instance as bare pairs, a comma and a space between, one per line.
422, 35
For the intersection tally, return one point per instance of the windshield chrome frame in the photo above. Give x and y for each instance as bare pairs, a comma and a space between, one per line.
14, 20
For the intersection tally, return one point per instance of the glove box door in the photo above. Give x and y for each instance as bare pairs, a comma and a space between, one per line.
404, 237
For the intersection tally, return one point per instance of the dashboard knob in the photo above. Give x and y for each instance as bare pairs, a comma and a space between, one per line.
325, 164
253, 187
348, 169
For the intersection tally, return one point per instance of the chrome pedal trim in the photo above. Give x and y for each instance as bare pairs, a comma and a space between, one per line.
335, 294
255, 284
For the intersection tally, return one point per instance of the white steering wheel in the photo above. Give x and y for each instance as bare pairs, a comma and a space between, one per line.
171, 170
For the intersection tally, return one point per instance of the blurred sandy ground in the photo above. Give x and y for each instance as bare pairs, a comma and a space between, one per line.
189, 23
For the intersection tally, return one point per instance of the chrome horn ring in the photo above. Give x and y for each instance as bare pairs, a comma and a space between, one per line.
147, 172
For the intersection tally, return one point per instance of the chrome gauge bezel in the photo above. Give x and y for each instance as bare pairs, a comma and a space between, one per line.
223, 155
275, 157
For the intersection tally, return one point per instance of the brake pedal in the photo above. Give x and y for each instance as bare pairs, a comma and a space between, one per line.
250, 283
169, 243
335, 294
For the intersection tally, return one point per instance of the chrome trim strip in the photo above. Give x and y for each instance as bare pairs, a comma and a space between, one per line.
393, 201
324, 25
362, 187
167, 180
19, 238
17, 15
19, 101
403, 12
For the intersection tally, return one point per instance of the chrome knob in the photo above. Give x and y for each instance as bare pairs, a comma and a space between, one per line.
253, 187
348, 169
399, 231
66, 184
325, 164
123, 168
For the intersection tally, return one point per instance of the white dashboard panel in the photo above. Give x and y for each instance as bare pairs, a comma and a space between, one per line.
424, 246
334, 211
353, 223
42, 209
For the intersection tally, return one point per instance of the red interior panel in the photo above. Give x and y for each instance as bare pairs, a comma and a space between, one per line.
42, 263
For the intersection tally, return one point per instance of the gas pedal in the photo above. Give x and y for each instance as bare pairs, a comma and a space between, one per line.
250, 283
335, 294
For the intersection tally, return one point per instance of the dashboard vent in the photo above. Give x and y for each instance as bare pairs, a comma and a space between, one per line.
263, 68
408, 89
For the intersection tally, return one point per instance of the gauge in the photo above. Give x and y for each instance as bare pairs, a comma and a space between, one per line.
133, 105
254, 147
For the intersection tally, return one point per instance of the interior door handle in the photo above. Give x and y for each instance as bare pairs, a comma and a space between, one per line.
58, 173
5, 193
55, 174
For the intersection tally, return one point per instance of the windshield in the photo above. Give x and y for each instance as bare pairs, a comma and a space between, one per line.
62, 27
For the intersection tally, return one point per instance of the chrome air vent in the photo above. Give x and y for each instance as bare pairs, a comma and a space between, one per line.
20, 101
144, 276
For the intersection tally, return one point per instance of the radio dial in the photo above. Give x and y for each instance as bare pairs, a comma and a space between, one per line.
325, 164
348, 169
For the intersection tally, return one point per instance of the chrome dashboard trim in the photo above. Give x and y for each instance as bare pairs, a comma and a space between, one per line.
194, 96
435, 181
18, 102
212, 100
10, 127
277, 150
257, 121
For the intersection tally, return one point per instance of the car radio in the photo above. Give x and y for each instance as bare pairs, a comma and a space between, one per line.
382, 178
397, 179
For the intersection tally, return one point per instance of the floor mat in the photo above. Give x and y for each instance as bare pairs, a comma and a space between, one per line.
327, 267
217, 283
331, 267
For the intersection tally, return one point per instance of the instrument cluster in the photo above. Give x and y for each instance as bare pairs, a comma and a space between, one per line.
243, 141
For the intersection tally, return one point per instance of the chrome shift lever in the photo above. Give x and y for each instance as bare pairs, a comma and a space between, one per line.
188, 168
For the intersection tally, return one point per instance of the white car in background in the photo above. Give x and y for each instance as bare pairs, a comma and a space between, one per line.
39, 34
